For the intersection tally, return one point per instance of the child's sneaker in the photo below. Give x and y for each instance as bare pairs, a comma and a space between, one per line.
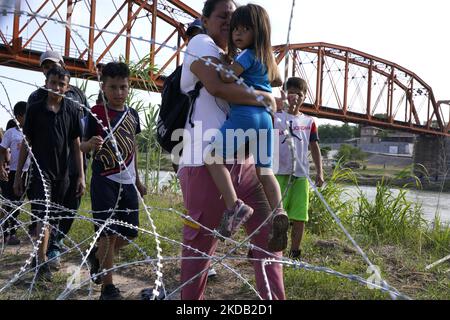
212, 273
234, 218
13, 241
110, 292
241, 213
278, 235
225, 224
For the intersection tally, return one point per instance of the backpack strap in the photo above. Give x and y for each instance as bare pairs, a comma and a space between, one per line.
193, 95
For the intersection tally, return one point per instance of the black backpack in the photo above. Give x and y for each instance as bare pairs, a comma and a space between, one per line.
176, 108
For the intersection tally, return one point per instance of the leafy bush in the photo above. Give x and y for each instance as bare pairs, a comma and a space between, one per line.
348, 153
320, 220
389, 218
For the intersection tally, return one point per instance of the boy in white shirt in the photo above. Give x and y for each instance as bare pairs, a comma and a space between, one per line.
304, 133
12, 141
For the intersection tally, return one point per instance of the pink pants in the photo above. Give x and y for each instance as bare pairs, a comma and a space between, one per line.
203, 202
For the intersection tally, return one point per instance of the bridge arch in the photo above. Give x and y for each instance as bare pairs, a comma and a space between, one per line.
352, 86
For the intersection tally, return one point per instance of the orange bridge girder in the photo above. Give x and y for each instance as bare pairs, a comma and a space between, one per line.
30, 35
401, 101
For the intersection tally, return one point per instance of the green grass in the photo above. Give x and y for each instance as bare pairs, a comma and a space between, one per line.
437, 237
391, 230
320, 220
311, 285
389, 218
303, 284
400, 266
167, 224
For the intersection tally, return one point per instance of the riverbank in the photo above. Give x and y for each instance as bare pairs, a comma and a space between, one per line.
408, 183
400, 177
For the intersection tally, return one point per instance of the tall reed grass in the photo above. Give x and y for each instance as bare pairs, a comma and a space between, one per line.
389, 219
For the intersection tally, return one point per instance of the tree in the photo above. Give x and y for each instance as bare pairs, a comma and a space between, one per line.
331, 133
380, 116
348, 153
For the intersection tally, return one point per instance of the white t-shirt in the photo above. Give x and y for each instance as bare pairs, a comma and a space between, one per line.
12, 140
303, 131
209, 112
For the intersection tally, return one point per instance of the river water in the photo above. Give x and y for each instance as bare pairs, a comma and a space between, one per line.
432, 202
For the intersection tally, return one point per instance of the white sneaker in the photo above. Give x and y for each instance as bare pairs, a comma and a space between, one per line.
212, 273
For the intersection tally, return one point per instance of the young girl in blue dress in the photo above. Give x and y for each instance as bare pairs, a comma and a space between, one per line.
252, 126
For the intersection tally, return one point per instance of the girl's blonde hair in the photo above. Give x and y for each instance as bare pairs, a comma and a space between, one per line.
255, 18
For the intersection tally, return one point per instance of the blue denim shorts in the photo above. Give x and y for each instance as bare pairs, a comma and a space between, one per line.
247, 127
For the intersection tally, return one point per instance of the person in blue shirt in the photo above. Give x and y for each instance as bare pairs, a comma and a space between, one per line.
249, 128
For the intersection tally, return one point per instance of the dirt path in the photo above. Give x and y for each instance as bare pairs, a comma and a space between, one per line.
130, 280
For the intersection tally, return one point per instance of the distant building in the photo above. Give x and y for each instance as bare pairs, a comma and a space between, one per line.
377, 140
369, 135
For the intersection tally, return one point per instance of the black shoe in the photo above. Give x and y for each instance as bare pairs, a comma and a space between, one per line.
295, 254
147, 294
13, 241
110, 292
94, 266
32, 230
33, 263
44, 273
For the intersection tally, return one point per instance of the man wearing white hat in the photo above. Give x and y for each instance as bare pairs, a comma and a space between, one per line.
48, 60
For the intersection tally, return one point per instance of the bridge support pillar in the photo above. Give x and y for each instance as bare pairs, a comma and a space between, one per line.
433, 153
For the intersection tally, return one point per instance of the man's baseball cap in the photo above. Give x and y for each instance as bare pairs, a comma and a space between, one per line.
52, 56
196, 24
